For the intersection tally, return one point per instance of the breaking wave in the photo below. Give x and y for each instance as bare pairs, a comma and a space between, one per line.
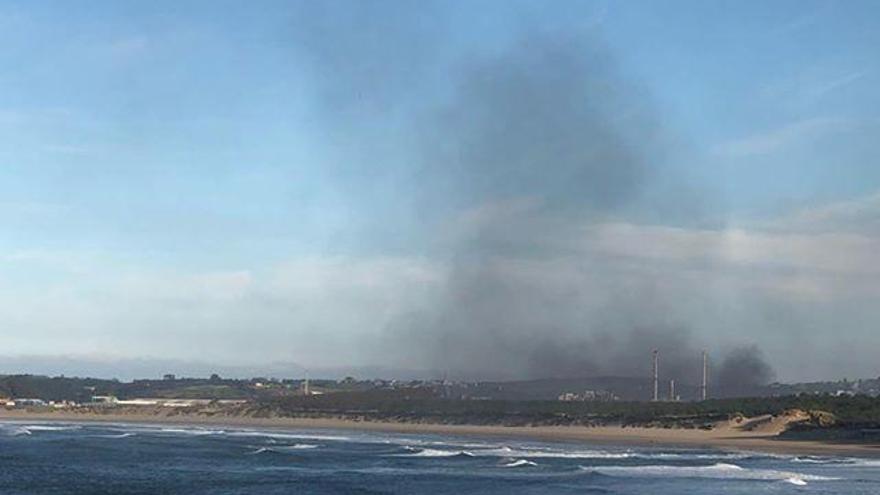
192, 431
52, 427
287, 436
283, 449
483, 450
540, 453
841, 462
118, 435
14, 431
18, 429
438, 453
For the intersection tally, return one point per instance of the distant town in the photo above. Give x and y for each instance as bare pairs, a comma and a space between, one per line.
170, 391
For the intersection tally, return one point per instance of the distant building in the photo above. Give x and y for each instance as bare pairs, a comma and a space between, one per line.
588, 396
104, 400
169, 377
138, 402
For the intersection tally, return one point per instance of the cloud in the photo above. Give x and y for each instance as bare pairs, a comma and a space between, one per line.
198, 288
782, 138
307, 309
800, 274
547, 293
823, 252
858, 215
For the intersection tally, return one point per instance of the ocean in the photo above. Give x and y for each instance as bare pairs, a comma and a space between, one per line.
79, 458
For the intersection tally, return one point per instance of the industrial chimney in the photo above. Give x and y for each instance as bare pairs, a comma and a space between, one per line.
655, 354
305, 385
704, 386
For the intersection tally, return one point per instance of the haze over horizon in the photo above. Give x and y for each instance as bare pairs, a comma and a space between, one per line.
502, 189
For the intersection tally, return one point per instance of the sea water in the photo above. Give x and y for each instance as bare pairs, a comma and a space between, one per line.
90, 458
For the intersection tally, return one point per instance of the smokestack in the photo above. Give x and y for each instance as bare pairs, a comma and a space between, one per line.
672, 390
705, 383
305, 385
656, 374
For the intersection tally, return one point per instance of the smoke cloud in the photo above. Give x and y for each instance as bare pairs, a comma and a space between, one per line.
535, 147
549, 119
743, 371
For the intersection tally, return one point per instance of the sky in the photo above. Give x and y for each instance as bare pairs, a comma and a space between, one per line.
426, 185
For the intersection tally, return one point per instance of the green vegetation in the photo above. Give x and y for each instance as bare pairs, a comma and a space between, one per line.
424, 405
83, 389
430, 403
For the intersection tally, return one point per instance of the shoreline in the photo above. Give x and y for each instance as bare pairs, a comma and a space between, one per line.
722, 437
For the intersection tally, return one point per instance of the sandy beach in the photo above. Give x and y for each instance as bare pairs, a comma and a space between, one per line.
760, 434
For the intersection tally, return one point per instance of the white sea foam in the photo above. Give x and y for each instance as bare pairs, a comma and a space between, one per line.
861, 463
439, 453
41, 427
730, 456
714, 471
14, 431
298, 446
192, 431
509, 452
486, 450
838, 462
816, 460
20, 428
520, 463
546, 453
287, 436
281, 449
119, 435
201, 431
421, 443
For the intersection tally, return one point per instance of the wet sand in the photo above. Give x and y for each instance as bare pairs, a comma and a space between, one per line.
725, 436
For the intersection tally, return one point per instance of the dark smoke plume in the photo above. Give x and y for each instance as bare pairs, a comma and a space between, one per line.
535, 146
548, 119
544, 139
743, 372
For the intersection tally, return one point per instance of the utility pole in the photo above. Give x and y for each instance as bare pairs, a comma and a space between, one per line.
306, 390
704, 387
655, 354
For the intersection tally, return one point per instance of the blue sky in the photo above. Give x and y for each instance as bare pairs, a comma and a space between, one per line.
148, 146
